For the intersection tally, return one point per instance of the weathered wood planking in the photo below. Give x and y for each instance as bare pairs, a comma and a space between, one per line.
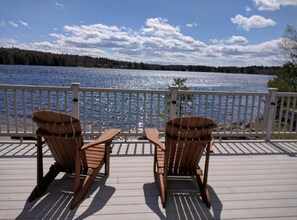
247, 180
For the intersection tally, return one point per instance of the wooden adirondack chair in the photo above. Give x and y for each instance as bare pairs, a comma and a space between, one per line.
62, 133
186, 138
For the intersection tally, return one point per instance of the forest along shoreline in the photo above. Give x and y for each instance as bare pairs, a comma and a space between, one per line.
15, 56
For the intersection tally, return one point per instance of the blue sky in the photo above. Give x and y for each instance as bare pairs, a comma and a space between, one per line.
191, 32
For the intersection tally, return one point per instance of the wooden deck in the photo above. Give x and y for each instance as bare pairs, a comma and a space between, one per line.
247, 180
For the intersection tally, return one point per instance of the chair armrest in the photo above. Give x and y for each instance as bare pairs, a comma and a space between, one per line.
152, 135
105, 137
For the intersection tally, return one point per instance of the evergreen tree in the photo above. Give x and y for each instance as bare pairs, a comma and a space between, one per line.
286, 78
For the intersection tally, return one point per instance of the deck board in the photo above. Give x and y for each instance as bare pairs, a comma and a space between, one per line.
247, 180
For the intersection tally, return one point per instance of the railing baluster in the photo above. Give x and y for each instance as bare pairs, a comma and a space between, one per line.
123, 112
211, 108
245, 112
258, 115
219, 112
100, 111
280, 115
293, 116
65, 101
199, 105
108, 109
137, 113
238, 115
40, 99
49, 99
15, 111
115, 109
144, 110
158, 111
252, 113
57, 100
32, 109
192, 104
7, 111
226, 113
92, 112
129, 113
206, 106
287, 114
24, 110
232, 113
178, 104
152, 109
84, 111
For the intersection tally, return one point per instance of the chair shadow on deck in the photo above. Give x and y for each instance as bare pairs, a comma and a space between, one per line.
183, 201
56, 200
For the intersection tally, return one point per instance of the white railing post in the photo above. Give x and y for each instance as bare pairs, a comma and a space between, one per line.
269, 113
75, 110
173, 101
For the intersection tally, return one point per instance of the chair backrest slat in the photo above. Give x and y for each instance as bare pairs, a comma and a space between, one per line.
185, 140
62, 133
56, 123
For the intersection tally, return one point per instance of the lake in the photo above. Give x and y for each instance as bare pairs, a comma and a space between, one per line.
124, 110
130, 79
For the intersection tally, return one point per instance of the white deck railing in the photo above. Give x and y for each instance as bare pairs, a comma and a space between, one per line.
259, 115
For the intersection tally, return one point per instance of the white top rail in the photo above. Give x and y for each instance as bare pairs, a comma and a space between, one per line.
34, 87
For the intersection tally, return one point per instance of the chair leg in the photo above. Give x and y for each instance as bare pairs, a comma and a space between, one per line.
155, 160
203, 188
80, 193
162, 190
78, 196
107, 158
206, 198
44, 183
199, 178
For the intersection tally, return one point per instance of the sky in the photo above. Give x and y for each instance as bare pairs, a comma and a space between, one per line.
187, 32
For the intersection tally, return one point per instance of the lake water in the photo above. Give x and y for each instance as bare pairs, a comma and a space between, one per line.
123, 79
130, 79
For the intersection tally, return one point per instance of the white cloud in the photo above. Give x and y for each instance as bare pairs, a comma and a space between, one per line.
59, 5
272, 5
156, 42
8, 42
266, 53
231, 40
255, 21
24, 23
11, 23
160, 42
158, 35
237, 39
160, 27
192, 25
248, 9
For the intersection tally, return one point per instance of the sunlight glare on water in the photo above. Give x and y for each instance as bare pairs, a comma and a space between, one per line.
130, 79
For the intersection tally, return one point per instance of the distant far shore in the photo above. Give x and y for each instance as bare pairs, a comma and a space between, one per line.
15, 56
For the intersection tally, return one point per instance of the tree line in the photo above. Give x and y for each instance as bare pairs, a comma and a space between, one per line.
15, 56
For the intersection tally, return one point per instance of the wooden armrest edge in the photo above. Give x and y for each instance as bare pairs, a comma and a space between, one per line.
105, 137
152, 135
